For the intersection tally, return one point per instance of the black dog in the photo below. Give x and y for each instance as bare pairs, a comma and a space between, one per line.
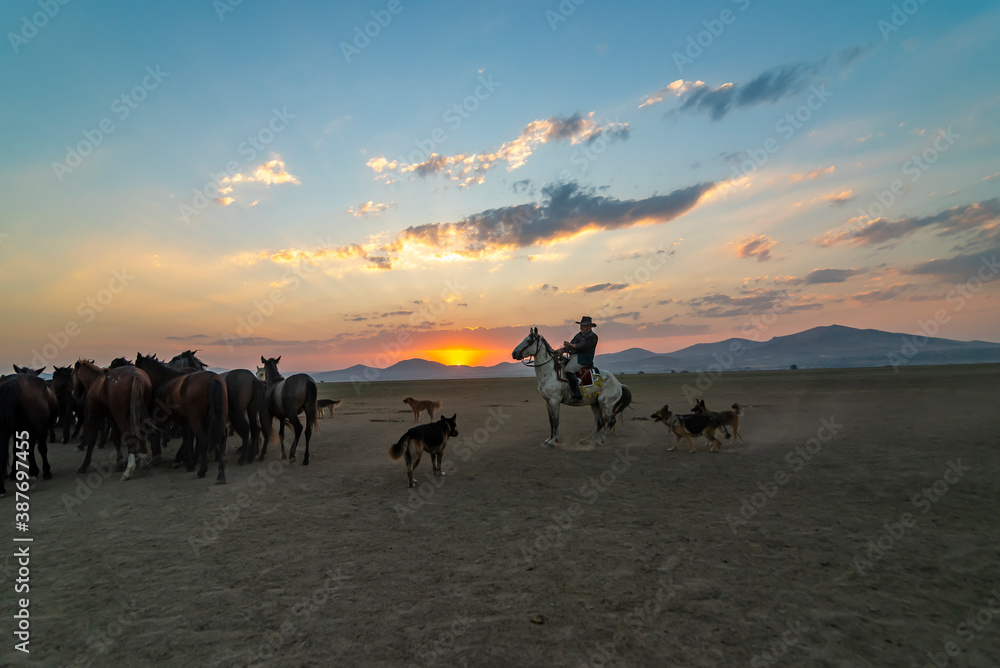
430, 437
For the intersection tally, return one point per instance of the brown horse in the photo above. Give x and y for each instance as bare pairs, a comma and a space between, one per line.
26, 405
123, 396
286, 398
199, 400
248, 415
248, 412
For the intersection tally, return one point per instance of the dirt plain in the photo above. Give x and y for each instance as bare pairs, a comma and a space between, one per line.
858, 525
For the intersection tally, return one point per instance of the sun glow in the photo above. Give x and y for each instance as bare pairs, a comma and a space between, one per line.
456, 356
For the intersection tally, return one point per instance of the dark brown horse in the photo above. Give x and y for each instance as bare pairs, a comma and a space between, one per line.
248, 415
62, 388
286, 398
122, 396
199, 400
26, 405
248, 412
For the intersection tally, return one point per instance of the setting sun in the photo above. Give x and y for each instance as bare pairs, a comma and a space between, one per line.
457, 356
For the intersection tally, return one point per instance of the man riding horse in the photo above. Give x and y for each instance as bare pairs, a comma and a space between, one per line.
581, 349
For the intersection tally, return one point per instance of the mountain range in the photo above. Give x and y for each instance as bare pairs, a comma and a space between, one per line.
828, 347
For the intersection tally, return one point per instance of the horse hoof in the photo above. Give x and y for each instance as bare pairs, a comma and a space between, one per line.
220, 482
305, 462
201, 474
291, 460
79, 448
47, 475
82, 469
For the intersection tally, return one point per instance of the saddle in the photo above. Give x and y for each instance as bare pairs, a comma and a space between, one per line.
586, 375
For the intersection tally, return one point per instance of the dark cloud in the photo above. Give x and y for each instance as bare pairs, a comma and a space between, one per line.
605, 287
755, 302
772, 86
948, 222
567, 211
964, 268
823, 276
888, 294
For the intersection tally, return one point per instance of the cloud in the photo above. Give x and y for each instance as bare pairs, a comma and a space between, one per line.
964, 268
755, 245
370, 208
839, 199
470, 169
824, 276
545, 289
605, 287
495, 234
772, 86
887, 294
269, 173
677, 88
813, 175
991, 176
751, 302
948, 222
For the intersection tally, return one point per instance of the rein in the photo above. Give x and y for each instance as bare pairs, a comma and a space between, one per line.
529, 362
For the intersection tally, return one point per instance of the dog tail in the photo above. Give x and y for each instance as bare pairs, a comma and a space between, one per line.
737, 409
396, 451
437, 405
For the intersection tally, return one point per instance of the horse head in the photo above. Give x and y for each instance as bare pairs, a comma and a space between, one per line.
270, 369
531, 345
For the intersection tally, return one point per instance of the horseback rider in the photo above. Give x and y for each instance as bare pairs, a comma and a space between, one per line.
581, 349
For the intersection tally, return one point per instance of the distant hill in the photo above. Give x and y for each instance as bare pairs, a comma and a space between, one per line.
828, 347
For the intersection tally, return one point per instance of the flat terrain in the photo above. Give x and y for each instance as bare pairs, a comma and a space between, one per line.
859, 525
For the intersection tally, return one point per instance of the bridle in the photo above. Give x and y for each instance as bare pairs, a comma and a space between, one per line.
528, 360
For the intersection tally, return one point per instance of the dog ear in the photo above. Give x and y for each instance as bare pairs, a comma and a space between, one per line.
262, 360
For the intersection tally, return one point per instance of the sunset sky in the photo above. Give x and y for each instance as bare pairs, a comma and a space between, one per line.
372, 182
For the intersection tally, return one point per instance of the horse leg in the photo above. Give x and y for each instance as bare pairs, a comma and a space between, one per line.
297, 426
281, 436
263, 440
604, 416
131, 448
553, 408
43, 450
91, 424
310, 419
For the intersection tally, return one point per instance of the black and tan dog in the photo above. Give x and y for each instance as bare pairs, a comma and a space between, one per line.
323, 404
723, 419
430, 437
688, 426
418, 406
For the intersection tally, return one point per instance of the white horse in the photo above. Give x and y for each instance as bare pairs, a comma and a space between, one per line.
606, 397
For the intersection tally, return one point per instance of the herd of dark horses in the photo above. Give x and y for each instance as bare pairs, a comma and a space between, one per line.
146, 402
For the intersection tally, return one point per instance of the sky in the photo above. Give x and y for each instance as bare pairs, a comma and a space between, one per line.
369, 182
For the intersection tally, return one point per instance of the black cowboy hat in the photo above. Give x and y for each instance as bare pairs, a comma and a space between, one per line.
585, 320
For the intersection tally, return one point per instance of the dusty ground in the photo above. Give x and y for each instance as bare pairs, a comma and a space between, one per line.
875, 543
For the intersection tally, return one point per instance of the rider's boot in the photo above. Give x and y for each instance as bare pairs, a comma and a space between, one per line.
574, 386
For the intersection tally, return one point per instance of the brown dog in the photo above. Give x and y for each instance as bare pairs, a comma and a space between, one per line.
723, 419
688, 426
323, 404
417, 406
430, 437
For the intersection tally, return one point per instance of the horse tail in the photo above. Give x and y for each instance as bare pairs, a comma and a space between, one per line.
396, 451
217, 413
623, 402
137, 410
264, 414
310, 407
10, 396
